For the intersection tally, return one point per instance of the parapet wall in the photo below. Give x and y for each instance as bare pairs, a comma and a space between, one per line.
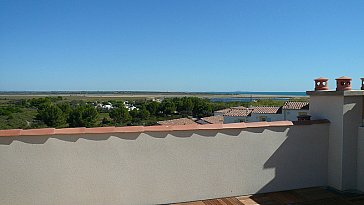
157, 166
361, 159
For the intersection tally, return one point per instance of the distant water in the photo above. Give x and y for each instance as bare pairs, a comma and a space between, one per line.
252, 98
244, 99
298, 94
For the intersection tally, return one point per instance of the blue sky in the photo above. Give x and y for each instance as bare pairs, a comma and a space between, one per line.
185, 45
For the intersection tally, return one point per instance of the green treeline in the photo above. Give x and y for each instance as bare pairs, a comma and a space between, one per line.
59, 112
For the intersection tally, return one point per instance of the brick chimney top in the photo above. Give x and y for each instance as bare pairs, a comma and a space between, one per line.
343, 78
343, 83
321, 84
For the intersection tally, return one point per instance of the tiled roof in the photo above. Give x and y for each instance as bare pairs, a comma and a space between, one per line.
266, 110
180, 121
224, 110
239, 107
238, 112
214, 119
296, 106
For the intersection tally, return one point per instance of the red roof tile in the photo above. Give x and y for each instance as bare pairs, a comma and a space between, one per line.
238, 113
180, 121
10, 133
296, 106
158, 128
63, 131
266, 110
210, 127
214, 119
42, 131
239, 107
224, 110
239, 125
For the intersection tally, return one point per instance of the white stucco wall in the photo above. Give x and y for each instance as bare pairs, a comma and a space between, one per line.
234, 119
255, 117
361, 159
331, 108
352, 120
216, 113
160, 167
345, 115
291, 115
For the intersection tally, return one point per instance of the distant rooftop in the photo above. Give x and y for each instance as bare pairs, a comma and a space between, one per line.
296, 105
179, 121
266, 110
238, 112
214, 119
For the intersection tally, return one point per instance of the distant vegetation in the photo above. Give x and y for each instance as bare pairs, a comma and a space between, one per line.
60, 112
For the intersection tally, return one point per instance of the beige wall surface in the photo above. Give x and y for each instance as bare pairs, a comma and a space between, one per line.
332, 108
161, 167
352, 120
361, 159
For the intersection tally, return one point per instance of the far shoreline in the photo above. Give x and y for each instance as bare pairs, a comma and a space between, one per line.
146, 95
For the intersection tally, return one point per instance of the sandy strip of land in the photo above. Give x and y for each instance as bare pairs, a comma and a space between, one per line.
151, 96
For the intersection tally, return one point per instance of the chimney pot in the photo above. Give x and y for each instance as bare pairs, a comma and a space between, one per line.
304, 118
321, 84
343, 83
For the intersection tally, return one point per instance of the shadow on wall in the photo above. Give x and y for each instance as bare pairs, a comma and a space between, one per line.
125, 136
67, 138
300, 161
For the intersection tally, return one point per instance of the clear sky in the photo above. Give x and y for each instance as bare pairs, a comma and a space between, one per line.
179, 45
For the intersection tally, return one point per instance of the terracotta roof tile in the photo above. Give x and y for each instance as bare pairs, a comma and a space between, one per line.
266, 110
210, 127
180, 121
238, 112
77, 130
42, 131
214, 119
9, 133
139, 129
239, 107
239, 125
296, 106
224, 110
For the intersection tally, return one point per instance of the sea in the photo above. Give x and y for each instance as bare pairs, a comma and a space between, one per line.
252, 94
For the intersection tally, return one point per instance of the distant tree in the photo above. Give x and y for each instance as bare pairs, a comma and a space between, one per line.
40, 103
6, 111
120, 115
187, 105
153, 107
143, 113
202, 108
52, 116
105, 121
83, 116
168, 107
22, 103
65, 107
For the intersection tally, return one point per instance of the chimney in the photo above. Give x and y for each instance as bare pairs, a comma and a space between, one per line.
321, 84
362, 83
303, 118
343, 83
345, 111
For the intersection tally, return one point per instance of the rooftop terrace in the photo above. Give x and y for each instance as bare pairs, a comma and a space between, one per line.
308, 196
